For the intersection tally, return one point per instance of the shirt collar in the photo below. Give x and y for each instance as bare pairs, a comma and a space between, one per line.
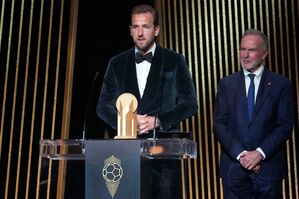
258, 73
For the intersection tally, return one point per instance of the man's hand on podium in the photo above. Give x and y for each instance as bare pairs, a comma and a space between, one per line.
145, 123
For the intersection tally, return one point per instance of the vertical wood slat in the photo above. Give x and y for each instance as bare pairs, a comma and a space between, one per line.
31, 129
206, 71
169, 22
158, 6
35, 93
260, 3
231, 35
254, 14
267, 7
182, 27
192, 187
249, 16
212, 90
196, 76
23, 101
164, 41
225, 37
68, 92
199, 169
1, 31
46, 84
5, 80
5, 83
274, 39
13, 106
69, 68
237, 19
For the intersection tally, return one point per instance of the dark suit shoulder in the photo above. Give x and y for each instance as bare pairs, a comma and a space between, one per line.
277, 76
122, 57
280, 81
171, 53
234, 76
170, 59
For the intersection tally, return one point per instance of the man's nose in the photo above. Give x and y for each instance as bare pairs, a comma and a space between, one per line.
140, 31
245, 53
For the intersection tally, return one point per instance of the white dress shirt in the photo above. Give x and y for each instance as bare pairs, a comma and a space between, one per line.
142, 70
257, 79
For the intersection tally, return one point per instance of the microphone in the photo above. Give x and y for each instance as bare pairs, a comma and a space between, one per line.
88, 105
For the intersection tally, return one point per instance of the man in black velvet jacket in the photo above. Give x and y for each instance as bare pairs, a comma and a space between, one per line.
161, 83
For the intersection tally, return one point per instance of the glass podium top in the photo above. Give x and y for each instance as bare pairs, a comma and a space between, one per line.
159, 148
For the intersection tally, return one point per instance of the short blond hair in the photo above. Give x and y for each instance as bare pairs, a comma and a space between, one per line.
258, 33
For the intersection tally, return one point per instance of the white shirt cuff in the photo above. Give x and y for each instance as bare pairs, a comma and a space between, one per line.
261, 152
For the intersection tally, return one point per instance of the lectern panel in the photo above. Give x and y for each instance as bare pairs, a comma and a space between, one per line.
112, 169
105, 168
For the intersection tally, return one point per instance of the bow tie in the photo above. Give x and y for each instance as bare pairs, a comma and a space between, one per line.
140, 57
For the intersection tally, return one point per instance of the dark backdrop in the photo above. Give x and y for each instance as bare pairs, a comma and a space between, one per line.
103, 31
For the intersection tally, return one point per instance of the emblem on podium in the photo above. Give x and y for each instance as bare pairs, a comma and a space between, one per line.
112, 174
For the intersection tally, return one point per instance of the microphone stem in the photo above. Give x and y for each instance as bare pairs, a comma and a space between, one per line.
154, 130
88, 105
83, 134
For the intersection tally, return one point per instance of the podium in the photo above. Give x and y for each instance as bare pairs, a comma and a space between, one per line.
107, 168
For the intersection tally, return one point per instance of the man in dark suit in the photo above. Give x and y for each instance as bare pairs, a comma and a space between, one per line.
253, 118
160, 80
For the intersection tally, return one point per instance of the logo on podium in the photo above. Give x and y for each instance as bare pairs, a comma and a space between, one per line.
112, 174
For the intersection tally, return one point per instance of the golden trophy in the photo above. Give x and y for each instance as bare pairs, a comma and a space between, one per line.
126, 105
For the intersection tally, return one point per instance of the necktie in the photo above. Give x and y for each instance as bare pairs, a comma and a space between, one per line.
250, 96
140, 57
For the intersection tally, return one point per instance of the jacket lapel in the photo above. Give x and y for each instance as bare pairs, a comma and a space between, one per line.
241, 95
263, 91
153, 84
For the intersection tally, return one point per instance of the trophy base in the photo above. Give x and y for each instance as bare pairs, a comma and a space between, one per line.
124, 137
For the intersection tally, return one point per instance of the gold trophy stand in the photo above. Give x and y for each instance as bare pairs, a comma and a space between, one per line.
126, 105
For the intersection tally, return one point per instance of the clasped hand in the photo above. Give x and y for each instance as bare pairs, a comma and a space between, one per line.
251, 160
145, 123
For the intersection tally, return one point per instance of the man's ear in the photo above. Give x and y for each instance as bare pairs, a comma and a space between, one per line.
130, 27
265, 54
157, 30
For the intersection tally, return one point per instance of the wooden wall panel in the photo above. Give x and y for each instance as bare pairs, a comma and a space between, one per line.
33, 63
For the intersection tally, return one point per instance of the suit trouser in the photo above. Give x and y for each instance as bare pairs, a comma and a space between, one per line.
252, 187
161, 179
